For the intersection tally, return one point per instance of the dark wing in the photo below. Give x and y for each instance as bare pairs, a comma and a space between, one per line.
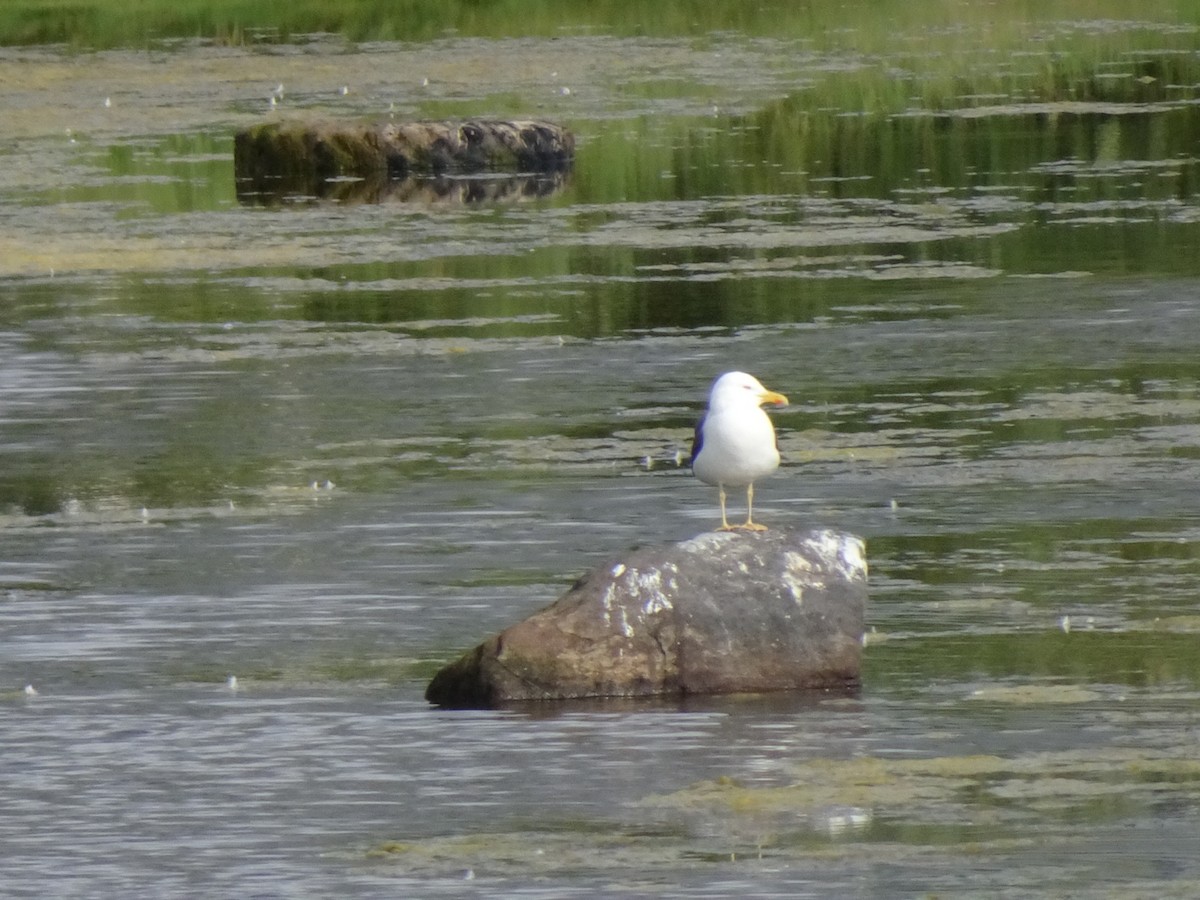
697, 440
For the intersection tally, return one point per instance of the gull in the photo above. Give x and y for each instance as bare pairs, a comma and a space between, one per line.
735, 441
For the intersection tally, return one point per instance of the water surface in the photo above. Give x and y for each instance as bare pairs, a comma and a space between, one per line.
321, 447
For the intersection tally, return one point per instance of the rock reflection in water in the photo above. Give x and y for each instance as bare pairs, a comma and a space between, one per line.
273, 192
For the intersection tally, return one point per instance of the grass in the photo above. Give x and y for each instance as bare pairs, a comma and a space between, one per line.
875, 56
865, 26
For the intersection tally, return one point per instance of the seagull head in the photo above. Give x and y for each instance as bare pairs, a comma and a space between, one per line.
739, 389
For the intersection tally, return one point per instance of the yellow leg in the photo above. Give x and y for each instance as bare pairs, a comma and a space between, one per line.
750, 524
725, 526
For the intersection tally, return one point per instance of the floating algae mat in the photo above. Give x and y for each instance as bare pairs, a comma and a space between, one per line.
904, 810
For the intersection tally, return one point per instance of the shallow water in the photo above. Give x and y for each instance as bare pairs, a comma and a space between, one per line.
322, 448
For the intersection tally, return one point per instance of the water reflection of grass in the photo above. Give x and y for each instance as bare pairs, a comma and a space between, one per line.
1135, 657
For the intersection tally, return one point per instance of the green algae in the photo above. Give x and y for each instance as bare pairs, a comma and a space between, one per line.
937, 808
900, 787
1037, 694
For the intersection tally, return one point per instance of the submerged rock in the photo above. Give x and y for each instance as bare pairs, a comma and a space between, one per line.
324, 150
725, 612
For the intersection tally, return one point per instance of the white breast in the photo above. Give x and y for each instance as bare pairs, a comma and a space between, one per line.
738, 447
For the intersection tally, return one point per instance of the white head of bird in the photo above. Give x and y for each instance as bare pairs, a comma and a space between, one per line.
735, 440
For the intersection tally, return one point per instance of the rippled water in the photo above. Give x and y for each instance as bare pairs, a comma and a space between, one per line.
322, 448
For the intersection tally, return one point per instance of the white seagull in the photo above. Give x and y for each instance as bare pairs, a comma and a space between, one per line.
735, 440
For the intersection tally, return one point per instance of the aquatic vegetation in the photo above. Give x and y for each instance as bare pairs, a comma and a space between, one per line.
898, 810
868, 26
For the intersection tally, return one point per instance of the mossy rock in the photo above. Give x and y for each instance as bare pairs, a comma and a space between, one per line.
319, 151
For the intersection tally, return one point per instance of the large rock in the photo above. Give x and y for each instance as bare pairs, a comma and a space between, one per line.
725, 612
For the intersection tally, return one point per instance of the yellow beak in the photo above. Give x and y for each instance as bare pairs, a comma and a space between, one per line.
772, 398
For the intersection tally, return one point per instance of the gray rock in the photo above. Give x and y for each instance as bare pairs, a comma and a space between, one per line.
725, 612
